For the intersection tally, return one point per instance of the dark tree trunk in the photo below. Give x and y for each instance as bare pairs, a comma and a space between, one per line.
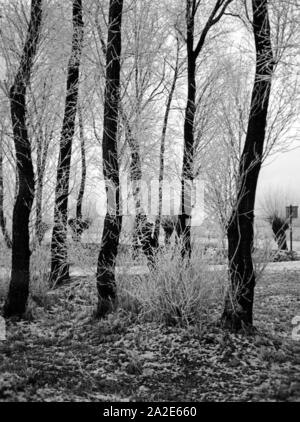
59, 252
113, 221
238, 312
5, 233
184, 218
19, 285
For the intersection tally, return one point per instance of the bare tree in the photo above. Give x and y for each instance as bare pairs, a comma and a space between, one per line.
144, 81
59, 265
238, 311
142, 85
193, 52
222, 156
19, 285
163, 147
113, 220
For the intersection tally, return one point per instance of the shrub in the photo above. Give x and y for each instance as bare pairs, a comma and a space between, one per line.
174, 291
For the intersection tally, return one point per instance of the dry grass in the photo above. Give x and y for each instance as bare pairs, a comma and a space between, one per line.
65, 355
175, 291
39, 271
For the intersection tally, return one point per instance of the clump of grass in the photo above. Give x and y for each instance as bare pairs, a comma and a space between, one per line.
175, 290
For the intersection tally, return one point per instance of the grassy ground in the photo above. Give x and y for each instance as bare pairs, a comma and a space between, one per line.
64, 354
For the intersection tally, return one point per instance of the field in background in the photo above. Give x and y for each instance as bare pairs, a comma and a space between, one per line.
207, 233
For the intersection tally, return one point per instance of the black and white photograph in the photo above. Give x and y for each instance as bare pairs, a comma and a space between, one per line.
149, 204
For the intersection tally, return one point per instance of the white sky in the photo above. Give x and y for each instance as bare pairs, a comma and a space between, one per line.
282, 170
282, 173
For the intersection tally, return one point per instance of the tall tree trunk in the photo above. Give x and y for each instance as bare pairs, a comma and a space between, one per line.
238, 310
113, 220
162, 148
5, 233
184, 218
19, 285
59, 252
141, 227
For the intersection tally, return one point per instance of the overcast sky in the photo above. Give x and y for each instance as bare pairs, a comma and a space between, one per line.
282, 173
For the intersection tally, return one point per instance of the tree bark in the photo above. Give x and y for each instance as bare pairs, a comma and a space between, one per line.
5, 233
184, 219
142, 229
238, 312
19, 285
106, 284
59, 252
